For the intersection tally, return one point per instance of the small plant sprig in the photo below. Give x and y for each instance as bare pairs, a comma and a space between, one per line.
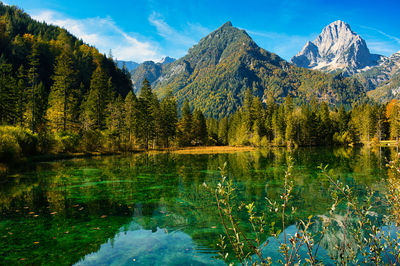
374, 239
243, 246
365, 238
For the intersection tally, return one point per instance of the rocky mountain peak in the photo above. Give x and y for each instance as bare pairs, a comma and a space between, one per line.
335, 36
217, 45
227, 24
166, 60
337, 48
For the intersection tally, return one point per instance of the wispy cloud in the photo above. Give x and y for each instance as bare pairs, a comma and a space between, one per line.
282, 44
197, 29
381, 42
394, 38
382, 47
167, 32
104, 34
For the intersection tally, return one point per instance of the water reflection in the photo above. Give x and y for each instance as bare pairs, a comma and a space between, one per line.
152, 207
151, 247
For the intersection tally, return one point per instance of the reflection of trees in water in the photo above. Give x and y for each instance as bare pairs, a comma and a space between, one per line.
163, 191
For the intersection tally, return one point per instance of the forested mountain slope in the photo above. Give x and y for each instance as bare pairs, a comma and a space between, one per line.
35, 57
216, 72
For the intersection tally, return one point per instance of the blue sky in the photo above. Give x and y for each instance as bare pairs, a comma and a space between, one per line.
141, 30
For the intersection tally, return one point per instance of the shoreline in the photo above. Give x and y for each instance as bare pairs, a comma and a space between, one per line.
206, 149
4, 166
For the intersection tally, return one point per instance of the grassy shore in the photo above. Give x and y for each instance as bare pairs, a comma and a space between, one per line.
388, 143
209, 149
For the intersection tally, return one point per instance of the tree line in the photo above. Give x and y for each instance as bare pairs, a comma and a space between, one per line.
267, 123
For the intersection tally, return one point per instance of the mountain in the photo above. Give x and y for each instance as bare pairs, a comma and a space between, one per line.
167, 60
21, 37
130, 65
215, 73
149, 70
379, 75
383, 81
337, 48
388, 91
146, 70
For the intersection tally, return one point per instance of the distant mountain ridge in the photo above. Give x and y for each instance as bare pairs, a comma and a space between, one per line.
383, 81
130, 65
337, 49
166, 60
380, 74
149, 70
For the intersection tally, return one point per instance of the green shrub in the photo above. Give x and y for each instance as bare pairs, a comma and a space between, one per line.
344, 138
9, 148
111, 141
66, 142
46, 142
92, 140
16, 142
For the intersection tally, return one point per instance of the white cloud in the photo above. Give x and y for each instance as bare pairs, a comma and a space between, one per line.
394, 38
387, 45
172, 35
104, 34
381, 47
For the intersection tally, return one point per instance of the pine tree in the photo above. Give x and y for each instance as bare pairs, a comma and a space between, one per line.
185, 126
308, 134
258, 117
367, 126
247, 114
130, 118
223, 129
279, 125
147, 111
380, 122
32, 108
212, 131
8, 96
290, 131
63, 97
21, 96
100, 95
36, 108
199, 128
115, 122
271, 108
343, 119
234, 122
325, 124
393, 113
168, 119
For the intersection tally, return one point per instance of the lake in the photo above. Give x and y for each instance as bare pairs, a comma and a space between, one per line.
152, 209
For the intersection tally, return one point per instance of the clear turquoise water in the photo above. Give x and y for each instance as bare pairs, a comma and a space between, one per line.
151, 209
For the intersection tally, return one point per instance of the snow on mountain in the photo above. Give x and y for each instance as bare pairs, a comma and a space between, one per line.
337, 48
